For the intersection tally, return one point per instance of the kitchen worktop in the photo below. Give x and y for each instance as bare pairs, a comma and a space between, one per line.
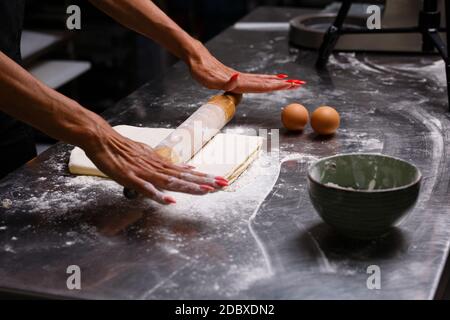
261, 239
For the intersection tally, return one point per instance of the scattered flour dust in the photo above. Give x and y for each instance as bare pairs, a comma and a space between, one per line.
230, 214
227, 214
64, 195
55, 201
7, 203
83, 182
434, 71
242, 278
240, 197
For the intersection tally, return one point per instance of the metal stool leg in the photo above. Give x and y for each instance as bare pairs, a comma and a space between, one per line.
429, 21
331, 37
447, 60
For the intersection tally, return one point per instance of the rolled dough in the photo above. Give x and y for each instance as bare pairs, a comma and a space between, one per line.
226, 155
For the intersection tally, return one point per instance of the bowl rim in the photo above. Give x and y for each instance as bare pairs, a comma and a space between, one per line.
337, 187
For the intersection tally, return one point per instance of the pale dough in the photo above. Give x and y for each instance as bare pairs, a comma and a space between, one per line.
226, 155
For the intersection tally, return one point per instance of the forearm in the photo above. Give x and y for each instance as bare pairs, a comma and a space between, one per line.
25, 98
144, 17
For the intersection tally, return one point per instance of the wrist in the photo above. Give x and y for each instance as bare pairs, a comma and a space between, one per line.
192, 52
87, 131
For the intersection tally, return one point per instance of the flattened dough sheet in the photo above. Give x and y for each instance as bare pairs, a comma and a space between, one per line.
226, 155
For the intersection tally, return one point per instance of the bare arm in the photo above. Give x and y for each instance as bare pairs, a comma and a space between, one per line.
24, 97
132, 164
144, 17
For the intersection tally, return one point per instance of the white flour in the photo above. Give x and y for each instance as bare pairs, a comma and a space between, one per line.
6, 203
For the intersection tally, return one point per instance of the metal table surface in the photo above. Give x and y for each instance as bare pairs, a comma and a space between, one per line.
261, 239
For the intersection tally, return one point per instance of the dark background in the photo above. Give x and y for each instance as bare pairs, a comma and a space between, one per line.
121, 60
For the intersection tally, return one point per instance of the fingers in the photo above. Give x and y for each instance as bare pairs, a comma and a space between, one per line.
178, 185
178, 178
149, 190
186, 166
268, 76
194, 176
216, 182
201, 179
260, 83
261, 86
273, 77
186, 182
138, 167
185, 172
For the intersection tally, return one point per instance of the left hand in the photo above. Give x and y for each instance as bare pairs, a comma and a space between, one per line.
212, 74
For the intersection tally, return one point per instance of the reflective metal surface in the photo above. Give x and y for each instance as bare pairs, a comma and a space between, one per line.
261, 239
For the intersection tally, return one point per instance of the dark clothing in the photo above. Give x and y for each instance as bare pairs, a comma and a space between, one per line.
16, 139
11, 20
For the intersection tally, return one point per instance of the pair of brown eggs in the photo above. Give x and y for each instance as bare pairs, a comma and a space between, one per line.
324, 120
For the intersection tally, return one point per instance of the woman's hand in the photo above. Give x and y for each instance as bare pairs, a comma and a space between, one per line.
146, 18
139, 167
212, 74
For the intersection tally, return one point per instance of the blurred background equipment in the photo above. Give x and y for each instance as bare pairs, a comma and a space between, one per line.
402, 25
407, 26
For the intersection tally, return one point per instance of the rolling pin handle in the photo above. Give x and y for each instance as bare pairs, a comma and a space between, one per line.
130, 193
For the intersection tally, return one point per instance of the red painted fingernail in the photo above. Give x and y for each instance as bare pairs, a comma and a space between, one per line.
282, 76
234, 77
294, 83
221, 178
206, 187
222, 183
169, 200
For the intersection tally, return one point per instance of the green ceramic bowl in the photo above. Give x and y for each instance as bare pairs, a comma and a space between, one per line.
363, 195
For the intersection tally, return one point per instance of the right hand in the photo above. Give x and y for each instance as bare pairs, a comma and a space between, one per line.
137, 166
213, 74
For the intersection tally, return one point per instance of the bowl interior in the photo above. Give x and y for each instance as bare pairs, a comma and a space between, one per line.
364, 172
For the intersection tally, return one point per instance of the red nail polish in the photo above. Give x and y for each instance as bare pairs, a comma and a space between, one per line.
282, 76
169, 200
206, 187
294, 83
222, 183
298, 81
234, 77
221, 178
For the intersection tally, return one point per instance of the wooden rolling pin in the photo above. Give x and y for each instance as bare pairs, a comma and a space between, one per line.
186, 140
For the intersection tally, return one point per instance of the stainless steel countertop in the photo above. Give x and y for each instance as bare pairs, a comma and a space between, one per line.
262, 239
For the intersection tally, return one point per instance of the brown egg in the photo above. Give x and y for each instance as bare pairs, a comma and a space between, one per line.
325, 120
294, 116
